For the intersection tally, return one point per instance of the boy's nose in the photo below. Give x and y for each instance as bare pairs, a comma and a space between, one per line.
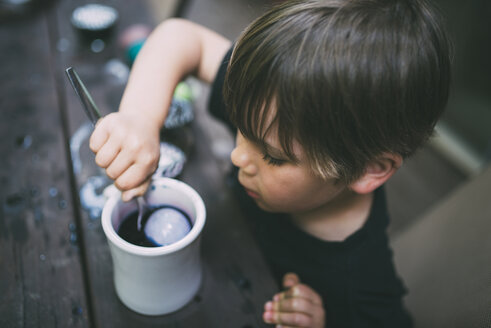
241, 158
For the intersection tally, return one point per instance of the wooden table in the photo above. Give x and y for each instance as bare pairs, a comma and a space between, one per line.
55, 265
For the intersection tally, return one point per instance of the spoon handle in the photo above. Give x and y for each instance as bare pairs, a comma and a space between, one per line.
141, 205
94, 115
83, 94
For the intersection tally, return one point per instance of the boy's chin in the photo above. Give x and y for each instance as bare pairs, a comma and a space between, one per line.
265, 207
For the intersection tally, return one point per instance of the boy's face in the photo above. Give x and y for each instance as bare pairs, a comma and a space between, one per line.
277, 184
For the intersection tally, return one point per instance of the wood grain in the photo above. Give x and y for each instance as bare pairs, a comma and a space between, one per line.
41, 276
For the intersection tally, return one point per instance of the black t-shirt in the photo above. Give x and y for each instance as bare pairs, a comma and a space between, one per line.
355, 278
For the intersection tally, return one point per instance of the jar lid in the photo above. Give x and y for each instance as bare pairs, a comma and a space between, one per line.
181, 109
94, 17
171, 161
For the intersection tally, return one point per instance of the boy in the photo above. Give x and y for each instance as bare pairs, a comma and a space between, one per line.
328, 97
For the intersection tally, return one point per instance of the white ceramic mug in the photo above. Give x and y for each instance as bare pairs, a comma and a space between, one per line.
156, 280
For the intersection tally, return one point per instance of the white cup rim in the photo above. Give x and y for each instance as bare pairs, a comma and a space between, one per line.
193, 234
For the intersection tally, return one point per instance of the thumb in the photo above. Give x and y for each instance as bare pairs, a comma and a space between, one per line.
290, 279
128, 195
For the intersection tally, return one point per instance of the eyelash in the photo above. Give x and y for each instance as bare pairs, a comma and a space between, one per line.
272, 160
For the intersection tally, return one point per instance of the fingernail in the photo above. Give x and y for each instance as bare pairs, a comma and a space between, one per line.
276, 297
268, 316
269, 305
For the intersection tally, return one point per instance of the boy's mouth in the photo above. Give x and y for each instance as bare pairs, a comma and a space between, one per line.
251, 193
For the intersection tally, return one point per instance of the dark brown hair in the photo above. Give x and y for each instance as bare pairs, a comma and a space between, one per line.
349, 80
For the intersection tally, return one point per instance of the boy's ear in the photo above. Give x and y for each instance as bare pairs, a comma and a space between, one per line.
377, 173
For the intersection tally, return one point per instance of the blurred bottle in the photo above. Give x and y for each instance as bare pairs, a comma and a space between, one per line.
132, 39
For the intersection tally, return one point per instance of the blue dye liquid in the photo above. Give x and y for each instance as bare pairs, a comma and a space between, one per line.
166, 226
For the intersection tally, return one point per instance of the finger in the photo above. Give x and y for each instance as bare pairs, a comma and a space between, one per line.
108, 152
302, 291
295, 304
290, 279
99, 136
288, 319
135, 192
119, 165
133, 177
98, 121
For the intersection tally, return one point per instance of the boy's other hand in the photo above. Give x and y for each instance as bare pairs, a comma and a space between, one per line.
128, 147
298, 306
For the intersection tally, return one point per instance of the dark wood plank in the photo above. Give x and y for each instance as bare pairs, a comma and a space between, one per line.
236, 280
41, 280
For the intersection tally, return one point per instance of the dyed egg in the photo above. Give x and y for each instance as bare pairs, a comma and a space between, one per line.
166, 226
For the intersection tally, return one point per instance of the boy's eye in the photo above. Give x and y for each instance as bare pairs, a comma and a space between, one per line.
272, 160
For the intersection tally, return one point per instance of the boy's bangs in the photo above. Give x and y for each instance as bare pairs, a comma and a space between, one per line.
256, 116
252, 115
251, 105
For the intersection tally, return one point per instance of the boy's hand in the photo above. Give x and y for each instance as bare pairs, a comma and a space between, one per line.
298, 306
128, 147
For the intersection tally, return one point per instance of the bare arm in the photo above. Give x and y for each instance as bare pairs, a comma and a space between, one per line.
126, 143
175, 49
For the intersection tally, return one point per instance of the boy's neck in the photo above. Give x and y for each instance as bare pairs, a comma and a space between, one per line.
337, 219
